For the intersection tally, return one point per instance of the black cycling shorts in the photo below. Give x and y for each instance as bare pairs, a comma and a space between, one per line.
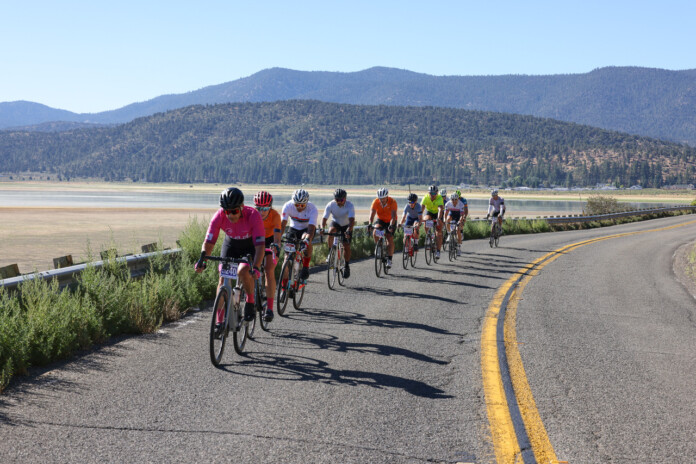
344, 229
237, 248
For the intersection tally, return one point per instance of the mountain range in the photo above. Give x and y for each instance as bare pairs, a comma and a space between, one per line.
642, 101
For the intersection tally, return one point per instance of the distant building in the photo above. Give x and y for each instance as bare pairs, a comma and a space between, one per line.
680, 187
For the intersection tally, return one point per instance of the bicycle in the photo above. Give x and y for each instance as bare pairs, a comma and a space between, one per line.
228, 299
452, 240
261, 300
430, 247
381, 253
496, 232
409, 252
337, 260
292, 285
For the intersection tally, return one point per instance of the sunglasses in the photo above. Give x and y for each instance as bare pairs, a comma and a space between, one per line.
263, 208
341, 200
232, 212
297, 205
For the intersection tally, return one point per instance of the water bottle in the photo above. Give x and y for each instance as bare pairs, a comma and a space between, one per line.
236, 293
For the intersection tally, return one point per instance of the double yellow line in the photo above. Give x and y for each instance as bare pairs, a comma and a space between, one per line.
516, 428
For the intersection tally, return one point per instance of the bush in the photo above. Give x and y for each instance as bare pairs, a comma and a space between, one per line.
602, 204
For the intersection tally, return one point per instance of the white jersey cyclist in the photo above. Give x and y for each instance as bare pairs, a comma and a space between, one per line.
457, 210
496, 206
300, 220
341, 214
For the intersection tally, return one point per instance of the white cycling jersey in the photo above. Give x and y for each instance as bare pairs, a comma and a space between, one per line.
300, 220
341, 214
496, 206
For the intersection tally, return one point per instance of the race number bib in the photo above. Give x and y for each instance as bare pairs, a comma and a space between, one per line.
428, 224
289, 248
379, 233
230, 273
453, 226
408, 230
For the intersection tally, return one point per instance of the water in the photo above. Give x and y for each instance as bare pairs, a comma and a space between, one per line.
72, 199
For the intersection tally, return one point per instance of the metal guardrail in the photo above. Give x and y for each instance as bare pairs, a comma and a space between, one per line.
138, 263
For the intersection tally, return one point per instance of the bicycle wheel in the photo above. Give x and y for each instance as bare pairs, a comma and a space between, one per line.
333, 268
452, 248
414, 256
404, 254
428, 250
378, 258
445, 241
491, 241
239, 336
217, 345
283, 290
341, 266
433, 245
262, 302
298, 294
385, 269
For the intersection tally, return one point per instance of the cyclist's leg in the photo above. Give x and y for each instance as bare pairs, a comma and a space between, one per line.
269, 268
438, 234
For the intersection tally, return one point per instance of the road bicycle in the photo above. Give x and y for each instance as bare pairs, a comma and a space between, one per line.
336, 260
229, 300
381, 253
290, 285
430, 246
496, 232
261, 299
409, 253
453, 241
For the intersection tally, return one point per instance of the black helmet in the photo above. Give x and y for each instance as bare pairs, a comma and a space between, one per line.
432, 190
339, 194
412, 197
231, 198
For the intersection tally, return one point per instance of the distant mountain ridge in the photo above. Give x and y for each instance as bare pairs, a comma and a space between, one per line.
644, 101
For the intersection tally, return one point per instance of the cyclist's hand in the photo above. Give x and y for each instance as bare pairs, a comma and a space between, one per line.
391, 228
321, 232
276, 247
200, 264
256, 273
349, 234
370, 229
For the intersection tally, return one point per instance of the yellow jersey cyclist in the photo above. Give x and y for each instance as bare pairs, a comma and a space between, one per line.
457, 211
384, 207
343, 213
433, 209
302, 215
263, 202
413, 217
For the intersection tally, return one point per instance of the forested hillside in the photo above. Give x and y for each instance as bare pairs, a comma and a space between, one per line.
316, 142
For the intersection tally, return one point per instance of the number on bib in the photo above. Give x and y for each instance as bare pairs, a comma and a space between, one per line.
408, 230
379, 233
230, 273
428, 224
289, 248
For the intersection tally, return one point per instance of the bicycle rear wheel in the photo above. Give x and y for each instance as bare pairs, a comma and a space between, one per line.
332, 271
240, 334
298, 294
217, 345
378, 258
283, 290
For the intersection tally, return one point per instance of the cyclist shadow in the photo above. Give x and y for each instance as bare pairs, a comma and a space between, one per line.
306, 369
420, 279
391, 293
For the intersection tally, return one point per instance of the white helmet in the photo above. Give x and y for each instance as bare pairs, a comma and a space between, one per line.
494, 192
300, 196
454, 196
382, 193
443, 193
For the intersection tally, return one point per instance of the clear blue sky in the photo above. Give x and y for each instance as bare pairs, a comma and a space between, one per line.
91, 56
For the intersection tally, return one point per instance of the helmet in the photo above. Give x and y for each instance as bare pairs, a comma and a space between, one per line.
432, 190
340, 194
443, 193
454, 196
263, 198
494, 192
300, 196
412, 197
382, 193
459, 193
231, 198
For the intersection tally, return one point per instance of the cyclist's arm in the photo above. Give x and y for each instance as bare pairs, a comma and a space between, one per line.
310, 232
323, 223
283, 223
393, 221
351, 224
372, 215
259, 254
441, 212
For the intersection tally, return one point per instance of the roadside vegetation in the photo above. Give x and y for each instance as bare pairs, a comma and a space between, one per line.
41, 323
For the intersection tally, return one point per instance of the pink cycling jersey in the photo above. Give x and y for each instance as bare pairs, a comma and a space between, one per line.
250, 225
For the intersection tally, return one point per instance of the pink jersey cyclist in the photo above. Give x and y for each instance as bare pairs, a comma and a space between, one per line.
241, 237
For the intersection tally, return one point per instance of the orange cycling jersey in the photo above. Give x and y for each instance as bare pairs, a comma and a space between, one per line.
384, 213
272, 223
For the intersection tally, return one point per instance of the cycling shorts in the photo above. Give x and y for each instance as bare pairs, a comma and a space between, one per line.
410, 221
380, 224
237, 248
344, 229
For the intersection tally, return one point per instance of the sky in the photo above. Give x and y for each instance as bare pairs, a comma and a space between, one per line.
89, 56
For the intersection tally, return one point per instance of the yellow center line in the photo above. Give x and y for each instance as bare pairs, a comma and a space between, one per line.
505, 440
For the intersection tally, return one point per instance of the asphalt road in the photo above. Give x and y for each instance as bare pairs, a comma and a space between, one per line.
389, 370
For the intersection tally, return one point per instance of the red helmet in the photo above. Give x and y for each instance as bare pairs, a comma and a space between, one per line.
263, 198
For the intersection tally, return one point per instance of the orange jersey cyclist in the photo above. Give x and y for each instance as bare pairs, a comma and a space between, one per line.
302, 215
385, 208
433, 209
263, 202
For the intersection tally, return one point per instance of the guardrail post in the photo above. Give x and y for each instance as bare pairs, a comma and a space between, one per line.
10, 271
112, 252
62, 261
149, 248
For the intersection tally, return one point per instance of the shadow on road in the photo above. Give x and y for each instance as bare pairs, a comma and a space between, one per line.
304, 369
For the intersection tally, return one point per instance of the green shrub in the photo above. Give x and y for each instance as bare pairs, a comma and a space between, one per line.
13, 339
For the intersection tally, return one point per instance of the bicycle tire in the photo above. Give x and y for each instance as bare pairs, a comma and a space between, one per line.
332, 270
428, 250
297, 300
414, 256
405, 256
281, 305
341, 266
240, 335
434, 251
378, 258
262, 302
452, 249
217, 346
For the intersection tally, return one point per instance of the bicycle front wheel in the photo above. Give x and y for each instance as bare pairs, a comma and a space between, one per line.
283, 290
452, 249
217, 341
333, 268
298, 294
378, 258
405, 253
240, 334
341, 266
414, 256
428, 250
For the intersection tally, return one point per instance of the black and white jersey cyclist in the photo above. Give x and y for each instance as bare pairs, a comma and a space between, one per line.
496, 207
457, 210
343, 213
303, 216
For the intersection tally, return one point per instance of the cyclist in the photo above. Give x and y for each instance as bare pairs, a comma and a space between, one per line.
263, 201
385, 208
457, 210
413, 216
434, 206
343, 213
302, 215
496, 207
244, 235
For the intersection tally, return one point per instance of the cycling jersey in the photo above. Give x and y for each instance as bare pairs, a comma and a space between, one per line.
272, 223
341, 214
384, 213
496, 206
300, 220
413, 212
249, 226
455, 211
432, 206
